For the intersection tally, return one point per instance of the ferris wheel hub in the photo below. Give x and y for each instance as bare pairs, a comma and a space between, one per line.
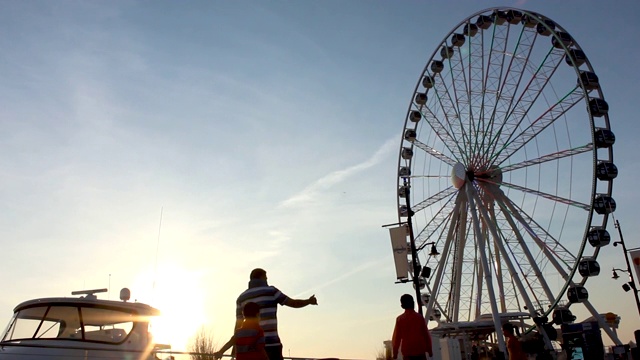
458, 175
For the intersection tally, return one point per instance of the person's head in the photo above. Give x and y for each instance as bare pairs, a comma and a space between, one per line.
406, 301
250, 310
258, 274
508, 329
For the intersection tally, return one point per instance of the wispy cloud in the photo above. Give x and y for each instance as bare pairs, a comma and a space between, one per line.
311, 192
367, 265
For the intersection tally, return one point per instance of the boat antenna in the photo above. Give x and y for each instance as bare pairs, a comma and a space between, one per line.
155, 270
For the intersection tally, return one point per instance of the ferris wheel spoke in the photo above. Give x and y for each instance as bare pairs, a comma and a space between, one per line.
552, 248
538, 125
462, 85
555, 198
444, 134
434, 226
529, 268
476, 91
549, 157
435, 153
451, 116
494, 78
513, 79
434, 199
461, 95
511, 139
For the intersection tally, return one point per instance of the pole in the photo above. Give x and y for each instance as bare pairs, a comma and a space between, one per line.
414, 255
626, 258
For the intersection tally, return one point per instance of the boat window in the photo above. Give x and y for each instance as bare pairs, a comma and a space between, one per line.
106, 325
70, 322
31, 323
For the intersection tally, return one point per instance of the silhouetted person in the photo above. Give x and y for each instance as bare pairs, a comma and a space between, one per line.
248, 339
410, 335
268, 297
474, 353
514, 348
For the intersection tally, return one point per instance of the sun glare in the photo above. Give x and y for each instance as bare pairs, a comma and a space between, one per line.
178, 294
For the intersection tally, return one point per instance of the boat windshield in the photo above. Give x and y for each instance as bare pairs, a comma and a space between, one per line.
98, 324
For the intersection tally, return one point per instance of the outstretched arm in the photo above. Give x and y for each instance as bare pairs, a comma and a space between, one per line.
299, 303
232, 341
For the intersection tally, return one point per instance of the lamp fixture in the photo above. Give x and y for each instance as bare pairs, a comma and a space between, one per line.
434, 251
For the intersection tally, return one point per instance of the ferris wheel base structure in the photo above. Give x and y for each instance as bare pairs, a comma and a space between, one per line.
504, 179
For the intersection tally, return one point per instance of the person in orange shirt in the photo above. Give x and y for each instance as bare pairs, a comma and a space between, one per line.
514, 348
248, 340
410, 334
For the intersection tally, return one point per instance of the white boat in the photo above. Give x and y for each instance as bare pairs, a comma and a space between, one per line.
82, 327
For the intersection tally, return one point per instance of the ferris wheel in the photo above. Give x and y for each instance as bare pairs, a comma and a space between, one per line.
505, 171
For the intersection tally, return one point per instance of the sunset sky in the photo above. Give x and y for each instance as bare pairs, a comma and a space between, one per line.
173, 146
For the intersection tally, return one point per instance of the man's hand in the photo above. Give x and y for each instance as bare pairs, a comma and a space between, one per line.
312, 300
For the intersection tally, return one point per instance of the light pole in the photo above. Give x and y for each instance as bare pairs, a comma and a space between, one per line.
415, 266
632, 282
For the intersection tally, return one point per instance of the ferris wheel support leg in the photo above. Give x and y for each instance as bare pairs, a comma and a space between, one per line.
439, 274
497, 323
511, 267
603, 325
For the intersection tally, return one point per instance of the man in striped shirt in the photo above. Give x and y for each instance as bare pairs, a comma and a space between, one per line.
268, 297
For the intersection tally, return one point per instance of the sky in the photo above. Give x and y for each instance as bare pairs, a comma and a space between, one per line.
172, 147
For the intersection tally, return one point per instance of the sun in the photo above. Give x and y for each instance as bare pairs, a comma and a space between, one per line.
179, 296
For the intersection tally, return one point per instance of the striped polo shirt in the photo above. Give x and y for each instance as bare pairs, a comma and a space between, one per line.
268, 297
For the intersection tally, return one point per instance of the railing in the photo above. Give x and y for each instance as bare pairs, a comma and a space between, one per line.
111, 353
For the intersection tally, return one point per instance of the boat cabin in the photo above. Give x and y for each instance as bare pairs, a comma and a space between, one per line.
84, 327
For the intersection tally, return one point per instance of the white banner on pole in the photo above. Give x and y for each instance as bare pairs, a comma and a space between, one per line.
635, 260
400, 251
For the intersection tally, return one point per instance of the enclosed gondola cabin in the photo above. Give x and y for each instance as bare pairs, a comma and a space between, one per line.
562, 315
598, 237
499, 17
446, 52
427, 82
404, 171
484, 22
437, 66
577, 294
529, 21
561, 39
604, 138
410, 135
457, 40
588, 267
403, 191
606, 171
604, 204
589, 80
598, 107
514, 16
546, 27
578, 56
470, 29
415, 116
407, 153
